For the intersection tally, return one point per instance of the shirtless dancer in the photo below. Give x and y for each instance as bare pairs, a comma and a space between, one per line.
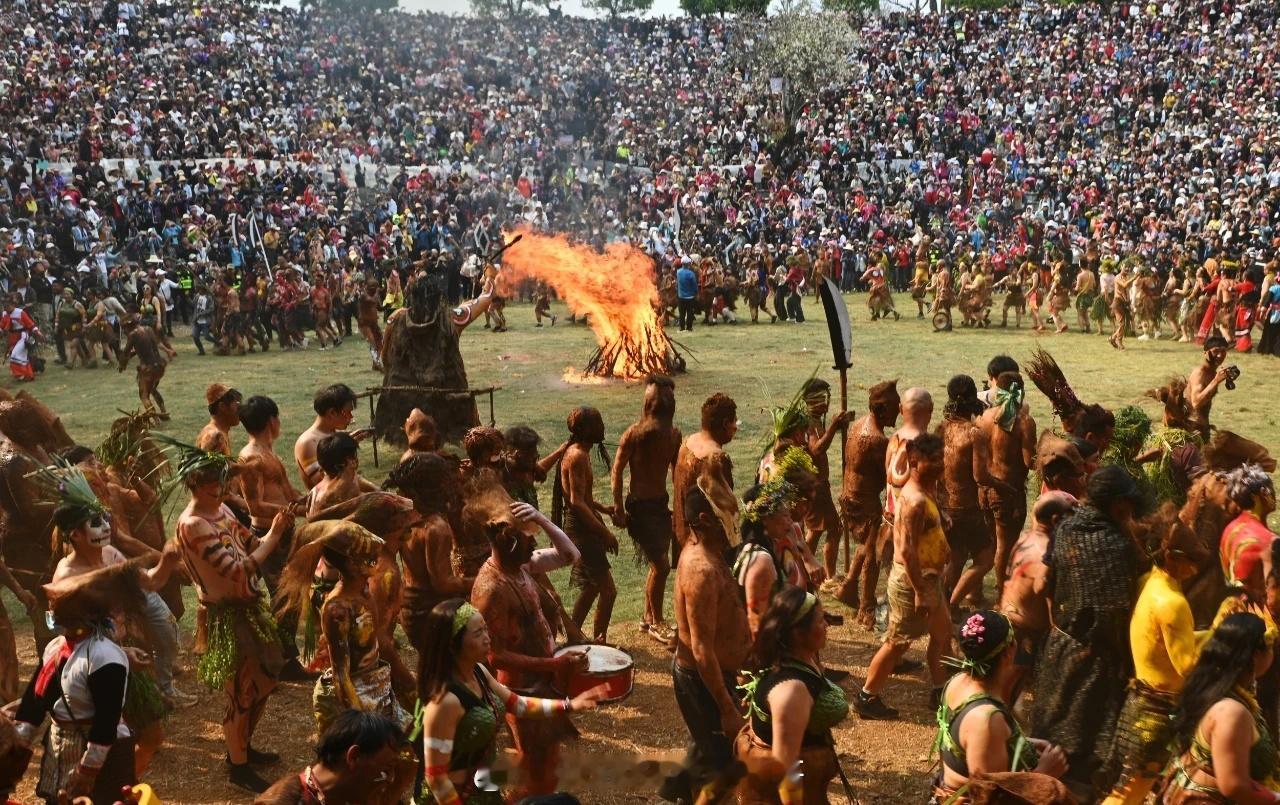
267, 492
334, 407
224, 414
712, 640
584, 524
917, 605
216, 552
1204, 381
143, 342
522, 647
420, 434
966, 466
864, 480
431, 482
702, 463
648, 450
1086, 290
821, 515
1011, 436
1025, 595
339, 457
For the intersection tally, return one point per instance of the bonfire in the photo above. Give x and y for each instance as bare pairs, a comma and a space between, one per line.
617, 292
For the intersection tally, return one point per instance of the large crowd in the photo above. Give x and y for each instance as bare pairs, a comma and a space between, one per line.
1047, 143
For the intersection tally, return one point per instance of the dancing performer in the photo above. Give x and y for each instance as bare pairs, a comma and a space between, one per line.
1086, 662
792, 708
244, 656
585, 525
866, 449
21, 333
702, 463
648, 450
81, 684
1165, 646
977, 733
522, 649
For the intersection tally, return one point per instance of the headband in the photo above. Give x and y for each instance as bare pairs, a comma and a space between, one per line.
810, 601
462, 617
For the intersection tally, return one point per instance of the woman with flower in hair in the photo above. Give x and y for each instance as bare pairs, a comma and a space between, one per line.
792, 707
977, 733
1226, 752
464, 706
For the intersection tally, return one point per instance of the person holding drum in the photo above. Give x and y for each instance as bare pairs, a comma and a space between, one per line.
787, 745
464, 706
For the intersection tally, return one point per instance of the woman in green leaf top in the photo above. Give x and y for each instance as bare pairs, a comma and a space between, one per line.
976, 731
787, 746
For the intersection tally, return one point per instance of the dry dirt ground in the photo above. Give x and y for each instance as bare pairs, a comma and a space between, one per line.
885, 762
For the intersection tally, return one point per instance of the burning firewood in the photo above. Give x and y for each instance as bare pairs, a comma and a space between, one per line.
615, 289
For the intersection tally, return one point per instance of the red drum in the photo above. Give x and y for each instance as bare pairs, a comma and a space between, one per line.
607, 666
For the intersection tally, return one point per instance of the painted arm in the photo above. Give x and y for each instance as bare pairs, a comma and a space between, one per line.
548, 461
563, 552
127, 355
1177, 627
982, 464
439, 543
904, 541
474, 309
1028, 444
335, 623
820, 444
761, 576
6, 579
439, 725
702, 603
617, 473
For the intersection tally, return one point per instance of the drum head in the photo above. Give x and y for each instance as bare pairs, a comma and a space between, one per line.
602, 659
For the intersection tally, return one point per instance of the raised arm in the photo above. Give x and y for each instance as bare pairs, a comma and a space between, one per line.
562, 553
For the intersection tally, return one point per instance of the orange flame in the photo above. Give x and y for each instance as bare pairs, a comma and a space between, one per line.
616, 290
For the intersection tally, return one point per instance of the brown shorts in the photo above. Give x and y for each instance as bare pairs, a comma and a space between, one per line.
906, 623
969, 532
822, 514
863, 517
650, 527
1007, 510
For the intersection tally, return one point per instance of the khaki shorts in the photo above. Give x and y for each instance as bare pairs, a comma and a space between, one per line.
906, 623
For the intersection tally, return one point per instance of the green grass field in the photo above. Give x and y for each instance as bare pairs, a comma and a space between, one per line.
759, 365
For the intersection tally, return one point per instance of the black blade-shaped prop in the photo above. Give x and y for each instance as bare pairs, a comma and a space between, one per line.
837, 324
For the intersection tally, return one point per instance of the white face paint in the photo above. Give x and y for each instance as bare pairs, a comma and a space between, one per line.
99, 536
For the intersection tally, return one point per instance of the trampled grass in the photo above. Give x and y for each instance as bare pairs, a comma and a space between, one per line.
759, 365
